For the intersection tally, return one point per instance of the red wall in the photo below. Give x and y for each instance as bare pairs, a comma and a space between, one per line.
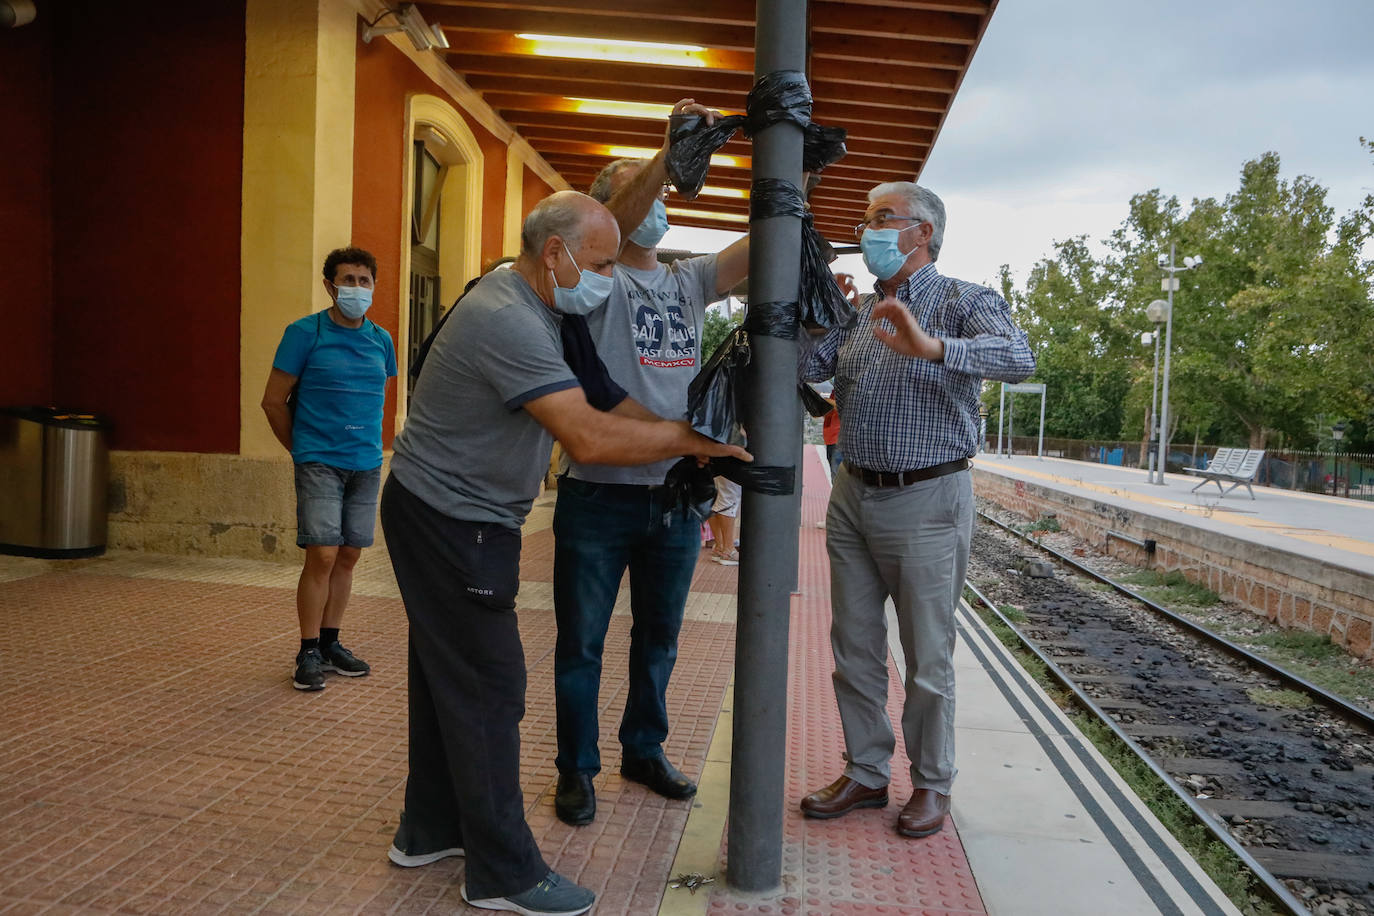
25, 203
384, 79
534, 189
146, 202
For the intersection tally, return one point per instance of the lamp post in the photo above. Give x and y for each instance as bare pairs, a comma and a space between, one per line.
1156, 312
982, 427
1170, 283
1337, 434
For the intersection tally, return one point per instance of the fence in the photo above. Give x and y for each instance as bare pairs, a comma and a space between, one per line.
1344, 474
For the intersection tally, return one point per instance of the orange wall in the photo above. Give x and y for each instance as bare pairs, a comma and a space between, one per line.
25, 204
384, 79
493, 195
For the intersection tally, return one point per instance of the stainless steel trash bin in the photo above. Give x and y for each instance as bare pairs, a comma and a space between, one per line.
54, 471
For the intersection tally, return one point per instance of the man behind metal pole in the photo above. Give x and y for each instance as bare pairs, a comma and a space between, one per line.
907, 376
769, 538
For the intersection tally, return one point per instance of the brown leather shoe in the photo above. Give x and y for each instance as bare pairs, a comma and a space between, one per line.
924, 814
841, 797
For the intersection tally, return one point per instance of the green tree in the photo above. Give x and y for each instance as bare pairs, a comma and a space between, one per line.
1274, 330
715, 329
1082, 347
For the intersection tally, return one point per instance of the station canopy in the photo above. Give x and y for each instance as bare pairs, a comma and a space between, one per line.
588, 81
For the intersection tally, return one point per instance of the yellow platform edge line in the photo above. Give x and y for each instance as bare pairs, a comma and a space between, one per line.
699, 849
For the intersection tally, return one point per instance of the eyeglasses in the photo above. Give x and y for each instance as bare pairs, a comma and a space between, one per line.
881, 220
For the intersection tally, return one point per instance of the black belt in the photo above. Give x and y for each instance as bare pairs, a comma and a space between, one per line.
903, 478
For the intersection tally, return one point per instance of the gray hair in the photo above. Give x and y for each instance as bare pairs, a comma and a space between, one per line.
922, 204
561, 214
601, 187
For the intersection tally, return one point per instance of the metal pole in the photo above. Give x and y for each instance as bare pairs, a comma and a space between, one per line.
1153, 444
769, 538
1040, 445
1164, 395
1001, 415
1011, 425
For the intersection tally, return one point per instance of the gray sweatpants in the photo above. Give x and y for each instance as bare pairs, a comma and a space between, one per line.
911, 544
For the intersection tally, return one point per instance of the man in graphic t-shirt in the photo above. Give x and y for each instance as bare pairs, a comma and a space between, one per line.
609, 519
338, 363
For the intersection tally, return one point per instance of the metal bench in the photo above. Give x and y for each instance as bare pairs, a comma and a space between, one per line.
1220, 462
1239, 470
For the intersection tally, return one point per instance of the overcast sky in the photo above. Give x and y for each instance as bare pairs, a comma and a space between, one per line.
1072, 106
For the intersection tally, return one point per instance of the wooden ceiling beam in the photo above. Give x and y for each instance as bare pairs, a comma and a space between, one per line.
556, 68
841, 18
846, 114
722, 12
911, 136
899, 97
533, 95
890, 74
593, 81
587, 22
889, 49
535, 133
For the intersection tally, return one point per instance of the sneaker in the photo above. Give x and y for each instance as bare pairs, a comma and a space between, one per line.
309, 671
423, 858
336, 658
554, 896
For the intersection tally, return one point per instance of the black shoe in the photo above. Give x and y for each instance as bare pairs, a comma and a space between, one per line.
337, 658
575, 802
309, 671
658, 774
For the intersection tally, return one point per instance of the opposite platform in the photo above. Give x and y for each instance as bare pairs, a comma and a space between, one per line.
1301, 560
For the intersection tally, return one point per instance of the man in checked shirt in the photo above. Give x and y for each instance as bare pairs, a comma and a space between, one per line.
907, 377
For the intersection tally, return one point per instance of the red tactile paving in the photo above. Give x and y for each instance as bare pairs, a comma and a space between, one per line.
856, 864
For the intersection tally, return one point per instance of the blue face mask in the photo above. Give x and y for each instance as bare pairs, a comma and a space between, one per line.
591, 291
353, 301
882, 256
650, 232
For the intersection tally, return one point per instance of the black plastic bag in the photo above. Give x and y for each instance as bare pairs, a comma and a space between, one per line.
823, 304
822, 146
692, 488
690, 145
816, 405
713, 406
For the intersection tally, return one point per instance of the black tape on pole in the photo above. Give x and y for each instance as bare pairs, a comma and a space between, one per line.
773, 319
782, 95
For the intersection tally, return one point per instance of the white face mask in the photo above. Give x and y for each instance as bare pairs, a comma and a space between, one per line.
587, 296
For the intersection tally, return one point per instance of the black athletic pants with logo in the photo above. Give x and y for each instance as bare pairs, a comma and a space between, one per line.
467, 693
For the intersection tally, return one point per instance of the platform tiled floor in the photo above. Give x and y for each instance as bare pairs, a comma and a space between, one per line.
154, 759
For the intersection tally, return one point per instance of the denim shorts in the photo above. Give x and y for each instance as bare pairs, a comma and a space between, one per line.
335, 507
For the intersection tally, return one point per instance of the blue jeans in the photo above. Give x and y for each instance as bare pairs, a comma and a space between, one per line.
600, 530
334, 506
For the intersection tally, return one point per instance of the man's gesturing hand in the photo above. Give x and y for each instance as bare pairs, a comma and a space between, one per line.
906, 337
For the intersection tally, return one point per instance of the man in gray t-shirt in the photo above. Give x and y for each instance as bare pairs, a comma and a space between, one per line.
609, 519
494, 392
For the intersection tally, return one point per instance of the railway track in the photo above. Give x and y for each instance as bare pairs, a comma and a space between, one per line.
1279, 769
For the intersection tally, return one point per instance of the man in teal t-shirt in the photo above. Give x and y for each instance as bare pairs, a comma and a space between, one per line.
337, 363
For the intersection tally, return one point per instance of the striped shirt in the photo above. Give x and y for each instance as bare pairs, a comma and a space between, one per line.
899, 412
